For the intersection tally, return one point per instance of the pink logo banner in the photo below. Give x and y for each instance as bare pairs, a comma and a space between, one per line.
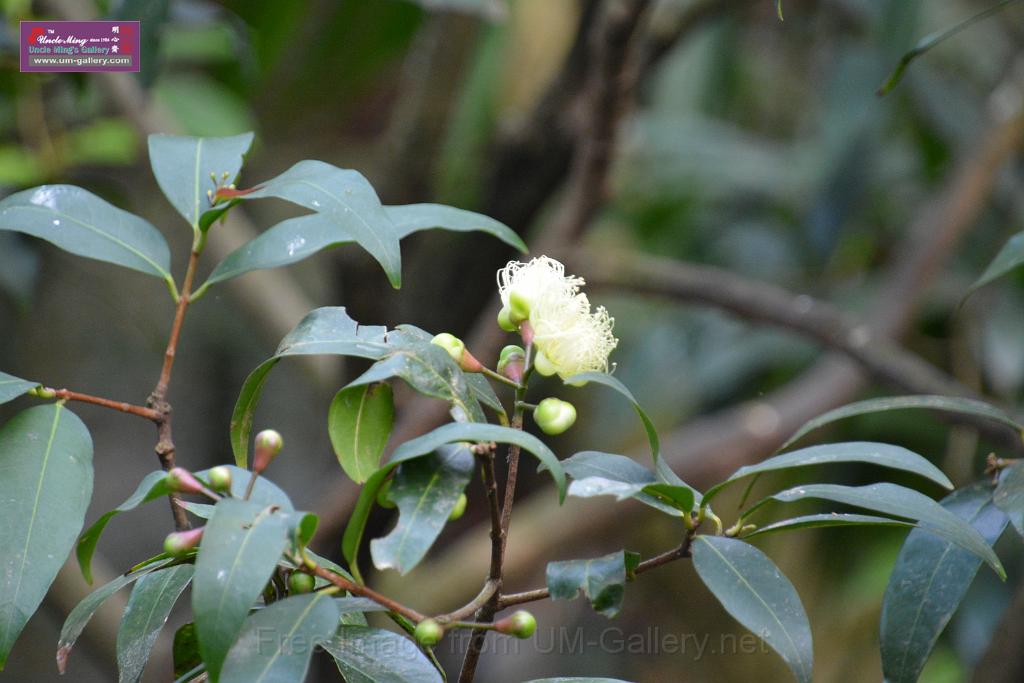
80, 46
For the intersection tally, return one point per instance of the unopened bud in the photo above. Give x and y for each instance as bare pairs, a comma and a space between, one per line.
505, 320
459, 509
543, 365
511, 362
554, 416
268, 445
520, 624
456, 348
428, 633
220, 478
519, 307
181, 480
180, 542
300, 582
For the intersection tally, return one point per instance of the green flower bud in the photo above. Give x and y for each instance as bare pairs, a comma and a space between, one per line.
520, 624
43, 392
180, 542
219, 478
505, 320
428, 633
450, 343
459, 509
519, 307
543, 365
181, 480
512, 362
268, 444
300, 582
554, 416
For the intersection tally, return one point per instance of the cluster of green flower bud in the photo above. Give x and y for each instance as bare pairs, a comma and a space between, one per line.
554, 415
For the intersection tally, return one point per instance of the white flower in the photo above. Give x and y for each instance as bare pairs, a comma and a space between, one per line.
568, 336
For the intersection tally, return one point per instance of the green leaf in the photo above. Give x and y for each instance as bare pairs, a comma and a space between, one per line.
46, 461
467, 431
186, 651
148, 608
12, 387
299, 238
1009, 495
602, 580
1008, 258
665, 472
152, 486
347, 199
679, 497
83, 611
482, 390
425, 491
80, 222
828, 520
182, 166
429, 370
897, 501
277, 642
324, 331
600, 474
930, 579
359, 423
240, 549
882, 454
353, 536
412, 218
948, 404
373, 655
757, 594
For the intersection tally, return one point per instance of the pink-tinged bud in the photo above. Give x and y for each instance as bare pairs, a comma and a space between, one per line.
520, 624
268, 444
526, 332
512, 362
469, 363
181, 480
180, 542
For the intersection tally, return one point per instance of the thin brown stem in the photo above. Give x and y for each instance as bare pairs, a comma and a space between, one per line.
179, 318
141, 411
363, 591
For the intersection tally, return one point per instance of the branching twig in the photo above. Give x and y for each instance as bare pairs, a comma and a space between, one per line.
363, 591
141, 411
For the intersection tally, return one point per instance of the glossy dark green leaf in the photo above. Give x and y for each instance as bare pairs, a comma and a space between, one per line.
324, 331
83, 611
152, 486
347, 199
148, 608
12, 387
186, 651
277, 642
757, 594
947, 404
241, 546
828, 520
425, 491
429, 370
602, 580
359, 423
472, 432
373, 655
299, 238
881, 454
606, 474
483, 391
80, 222
183, 164
898, 501
664, 472
679, 497
353, 536
1009, 495
45, 487
412, 218
930, 579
